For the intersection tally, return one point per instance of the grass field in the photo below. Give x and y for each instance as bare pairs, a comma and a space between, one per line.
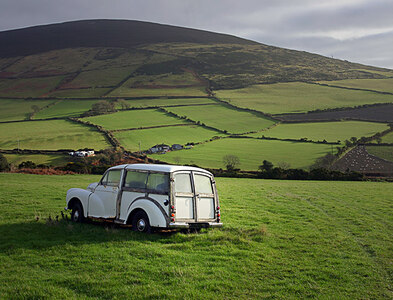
167, 135
298, 97
388, 138
46, 159
50, 135
19, 109
29, 87
162, 80
381, 85
168, 102
251, 153
223, 118
281, 239
385, 152
329, 131
80, 93
158, 92
134, 119
63, 60
100, 78
65, 108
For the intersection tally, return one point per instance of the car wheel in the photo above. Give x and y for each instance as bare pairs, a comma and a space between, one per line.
77, 213
141, 223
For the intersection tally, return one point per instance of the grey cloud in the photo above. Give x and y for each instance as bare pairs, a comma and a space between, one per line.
296, 24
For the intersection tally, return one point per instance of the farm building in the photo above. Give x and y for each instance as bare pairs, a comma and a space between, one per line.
159, 148
176, 147
82, 153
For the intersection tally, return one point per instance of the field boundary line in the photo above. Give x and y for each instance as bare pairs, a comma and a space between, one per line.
348, 88
151, 127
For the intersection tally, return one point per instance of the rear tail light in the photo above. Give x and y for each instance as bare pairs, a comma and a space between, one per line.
173, 212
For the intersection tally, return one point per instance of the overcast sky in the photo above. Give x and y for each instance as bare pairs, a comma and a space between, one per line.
356, 30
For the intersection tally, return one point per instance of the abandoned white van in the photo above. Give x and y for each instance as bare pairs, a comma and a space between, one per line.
149, 196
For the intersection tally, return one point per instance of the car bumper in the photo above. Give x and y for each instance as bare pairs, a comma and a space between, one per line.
194, 225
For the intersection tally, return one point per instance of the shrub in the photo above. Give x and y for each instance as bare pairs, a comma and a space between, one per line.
4, 165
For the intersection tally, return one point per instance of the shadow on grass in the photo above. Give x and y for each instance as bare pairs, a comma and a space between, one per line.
36, 235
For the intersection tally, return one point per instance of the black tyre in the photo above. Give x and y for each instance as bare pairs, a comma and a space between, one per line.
141, 222
77, 213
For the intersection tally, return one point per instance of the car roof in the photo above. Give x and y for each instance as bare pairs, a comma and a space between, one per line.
159, 168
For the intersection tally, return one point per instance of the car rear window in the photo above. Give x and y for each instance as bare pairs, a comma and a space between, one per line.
203, 184
183, 183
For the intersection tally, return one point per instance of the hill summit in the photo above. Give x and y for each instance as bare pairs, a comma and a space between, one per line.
142, 52
103, 33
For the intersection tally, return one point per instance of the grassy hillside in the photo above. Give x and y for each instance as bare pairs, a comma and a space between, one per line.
251, 153
65, 108
224, 118
281, 239
47, 159
380, 85
134, 119
298, 97
52, 135
329, 131
164, 135
385, 152
19, 109
190, 73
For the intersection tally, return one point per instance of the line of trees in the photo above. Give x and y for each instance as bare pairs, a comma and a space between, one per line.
283, 171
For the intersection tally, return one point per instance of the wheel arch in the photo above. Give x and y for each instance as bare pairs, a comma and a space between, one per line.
157, 217
73, 201
133, 213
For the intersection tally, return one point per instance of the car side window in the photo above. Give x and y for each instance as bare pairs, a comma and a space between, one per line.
136, 180
111, 178
158, 182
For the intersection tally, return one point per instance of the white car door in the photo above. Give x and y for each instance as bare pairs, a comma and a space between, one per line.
103, 202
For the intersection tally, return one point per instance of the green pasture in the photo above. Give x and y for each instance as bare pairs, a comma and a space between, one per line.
80, 93
223, 118
388, 138
134, 119
46, 159
162, 80
158, 92
297, 97
65, 108
319, 131
50, 135
54, 62
108, 58
28, 87
381, 85
100, 78
251, 153
162, 102
164, 135
384, 152
281, 240
19, 109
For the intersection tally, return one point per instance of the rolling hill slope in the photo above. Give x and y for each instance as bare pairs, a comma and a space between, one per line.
220, 84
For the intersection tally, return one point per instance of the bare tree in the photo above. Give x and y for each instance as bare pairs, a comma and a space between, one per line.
283, 165
231, 161
123, 103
